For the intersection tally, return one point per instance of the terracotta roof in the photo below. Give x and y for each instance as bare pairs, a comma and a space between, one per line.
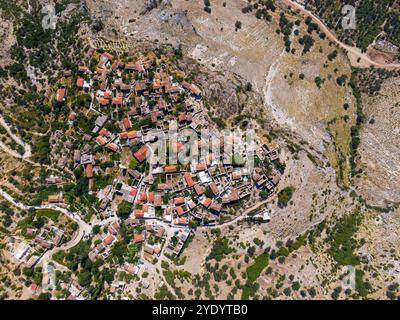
151, 197
53, 198
178, 146
194, 89
72, 116
182, 221
179, 200
143, 196
80, 82
127, 123
89, 171
140, 85
101, 140
141, 154
117, 100
60, 94
156, 83
180, 211
199, 189
188, 178
123, 135
103, 132
108, 240
171, 89
216, 206
138, 213
207, 202
112, 147
132, 134
214, 188
139, 238
154, 116
201, 167
161, 104
34, 286
133, 192
170, 169
186, 85
236, 175
104, 101
125, 87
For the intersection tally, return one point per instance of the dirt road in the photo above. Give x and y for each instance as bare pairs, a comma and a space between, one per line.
356, 52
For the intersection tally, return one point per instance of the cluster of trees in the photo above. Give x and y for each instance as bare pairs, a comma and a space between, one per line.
91, 275
124, 209
342, 242
373, 16
219, 249
285, 195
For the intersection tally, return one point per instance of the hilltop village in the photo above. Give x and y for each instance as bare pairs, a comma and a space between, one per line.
110, 112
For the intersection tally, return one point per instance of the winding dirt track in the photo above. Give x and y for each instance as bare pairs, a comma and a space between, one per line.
356, 52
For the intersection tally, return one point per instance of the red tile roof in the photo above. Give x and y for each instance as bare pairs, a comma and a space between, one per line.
53, 198
133, 192
138, 213
170, 169
143, 196
108, 240
104, 101
207, 202
117, 100
138, 238
34, 286
141, 154
103, 132
101, 140
127, 123
112, 147
60, 94
179, 200
180, 211
132, 134
188, 178
89, 171
80, 82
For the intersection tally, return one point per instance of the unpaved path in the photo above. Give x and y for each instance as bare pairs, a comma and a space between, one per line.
354, 51
83, 227
27, 147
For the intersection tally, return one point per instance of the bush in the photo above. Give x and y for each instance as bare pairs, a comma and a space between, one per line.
124, 209
285, 195
238, 25
260, 263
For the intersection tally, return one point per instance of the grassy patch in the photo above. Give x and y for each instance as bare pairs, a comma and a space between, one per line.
48, 213
220, 249
260, 263
285, 195
342, 240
